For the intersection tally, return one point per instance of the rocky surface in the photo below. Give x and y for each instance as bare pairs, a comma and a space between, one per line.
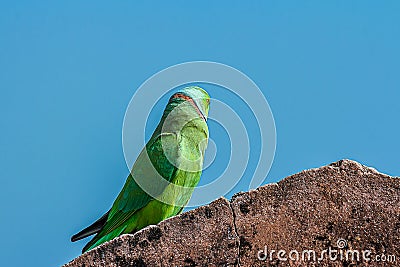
350, 211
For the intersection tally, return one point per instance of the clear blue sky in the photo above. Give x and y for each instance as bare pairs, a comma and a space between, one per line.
329, 69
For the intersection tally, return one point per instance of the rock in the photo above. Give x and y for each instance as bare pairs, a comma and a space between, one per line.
344, 206
195, 238
314, 209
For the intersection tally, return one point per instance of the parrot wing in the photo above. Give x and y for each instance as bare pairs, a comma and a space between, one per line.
154, 160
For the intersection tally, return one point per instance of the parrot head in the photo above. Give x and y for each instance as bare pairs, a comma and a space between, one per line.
197, 97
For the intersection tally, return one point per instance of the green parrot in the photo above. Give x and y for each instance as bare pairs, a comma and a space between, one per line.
165, 173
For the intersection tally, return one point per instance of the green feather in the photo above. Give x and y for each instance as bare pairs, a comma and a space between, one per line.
175, 153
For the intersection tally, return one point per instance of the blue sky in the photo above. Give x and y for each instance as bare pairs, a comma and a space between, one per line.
329, 70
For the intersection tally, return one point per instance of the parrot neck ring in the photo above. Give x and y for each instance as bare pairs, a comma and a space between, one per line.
191, 101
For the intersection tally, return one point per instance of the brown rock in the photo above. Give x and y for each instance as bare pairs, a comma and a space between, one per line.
310, 210
314, 209
201, 237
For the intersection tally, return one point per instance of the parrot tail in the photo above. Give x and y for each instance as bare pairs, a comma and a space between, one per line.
100, 239
92, 229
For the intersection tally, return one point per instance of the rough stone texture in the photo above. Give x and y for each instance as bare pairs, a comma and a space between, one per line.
310, 210
201, 237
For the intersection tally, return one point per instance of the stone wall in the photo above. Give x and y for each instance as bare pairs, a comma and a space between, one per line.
344, 206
